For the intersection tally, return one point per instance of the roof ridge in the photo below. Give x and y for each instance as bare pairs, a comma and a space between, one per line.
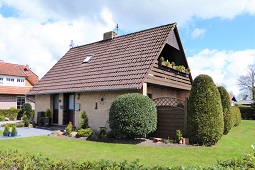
157, 27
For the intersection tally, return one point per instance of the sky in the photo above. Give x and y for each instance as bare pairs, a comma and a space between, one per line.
218, 36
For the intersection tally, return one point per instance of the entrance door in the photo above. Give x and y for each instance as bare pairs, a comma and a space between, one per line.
68, 112
55, 108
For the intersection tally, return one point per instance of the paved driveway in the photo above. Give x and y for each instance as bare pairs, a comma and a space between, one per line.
27, 132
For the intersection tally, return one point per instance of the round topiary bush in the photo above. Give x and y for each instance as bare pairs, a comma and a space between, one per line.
205, 117
225, 102
133, 114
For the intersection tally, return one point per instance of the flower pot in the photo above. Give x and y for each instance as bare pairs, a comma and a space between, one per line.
185, 141
6, 133
14, 134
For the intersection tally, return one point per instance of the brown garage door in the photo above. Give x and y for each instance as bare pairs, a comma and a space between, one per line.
171, 117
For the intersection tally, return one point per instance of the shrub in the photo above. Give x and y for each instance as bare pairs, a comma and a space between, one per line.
14, 129
84, 132
102, 133
178, 135
205, 117
7, 128
10, 113
2, 118
27, 113
225, 102
69, 128
235, 111
84, 120
133, 114
47, 113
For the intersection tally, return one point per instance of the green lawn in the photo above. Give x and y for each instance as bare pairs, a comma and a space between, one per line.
235, 144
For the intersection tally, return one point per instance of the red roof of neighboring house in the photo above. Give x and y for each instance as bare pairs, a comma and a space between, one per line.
19, 71
120, 63
14, 90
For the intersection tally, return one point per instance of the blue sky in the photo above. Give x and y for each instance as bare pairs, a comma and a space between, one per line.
218, 36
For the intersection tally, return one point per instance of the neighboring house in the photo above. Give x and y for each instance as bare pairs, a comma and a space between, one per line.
15, 82
89, 77
233, 100
246, 102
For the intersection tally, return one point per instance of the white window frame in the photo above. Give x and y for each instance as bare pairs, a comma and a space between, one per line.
20, 106
20, 82
10, 81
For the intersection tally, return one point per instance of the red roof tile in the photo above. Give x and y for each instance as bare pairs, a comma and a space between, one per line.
19, 71
14, 90
119, 63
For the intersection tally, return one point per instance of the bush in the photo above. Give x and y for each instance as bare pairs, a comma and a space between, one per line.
27, 113
2, 118
7, 128
235, 111
69, 128
205, 117
247, 112
11, 113
84, 120
133, 114
225, 102
84, 132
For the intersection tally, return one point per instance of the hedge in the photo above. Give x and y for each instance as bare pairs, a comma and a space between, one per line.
226, 109
247, 112
236, 116
10, 113
205, 115
15, 160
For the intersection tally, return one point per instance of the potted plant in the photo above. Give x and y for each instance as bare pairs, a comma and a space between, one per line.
161, 60
173, 65
46, 119
6, 130
14, 131
168, 64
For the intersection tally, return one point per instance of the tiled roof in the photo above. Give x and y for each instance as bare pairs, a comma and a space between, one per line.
19, 71
14, 90
119, 63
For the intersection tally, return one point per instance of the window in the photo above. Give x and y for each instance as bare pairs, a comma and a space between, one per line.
1, 80
86, 60
10, 81
20, 82
20, 101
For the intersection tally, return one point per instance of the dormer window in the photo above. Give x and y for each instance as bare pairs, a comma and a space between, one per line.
1, 80
87, 59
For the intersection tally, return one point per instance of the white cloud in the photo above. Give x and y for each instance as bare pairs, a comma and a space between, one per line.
198, 33
223, 66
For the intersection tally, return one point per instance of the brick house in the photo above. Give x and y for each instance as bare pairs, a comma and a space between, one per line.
89, 77
15, 82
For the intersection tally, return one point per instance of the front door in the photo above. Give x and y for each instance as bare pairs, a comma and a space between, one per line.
68, 109
55, 108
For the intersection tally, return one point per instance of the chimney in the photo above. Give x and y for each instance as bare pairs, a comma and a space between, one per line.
110, 35
26, 68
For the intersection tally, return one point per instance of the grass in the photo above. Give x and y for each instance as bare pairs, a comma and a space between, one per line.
1, 133
235, 144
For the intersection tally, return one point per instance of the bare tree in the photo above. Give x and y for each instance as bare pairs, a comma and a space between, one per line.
247, 82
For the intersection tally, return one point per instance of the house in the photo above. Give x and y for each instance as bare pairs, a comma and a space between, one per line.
15, 82
233, 100
246, 102
89, 77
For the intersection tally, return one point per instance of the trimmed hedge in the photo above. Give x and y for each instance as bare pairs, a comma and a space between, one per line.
10, 113
133, 114
205, 116
236, 116
225, 102
15, 160
247, 112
